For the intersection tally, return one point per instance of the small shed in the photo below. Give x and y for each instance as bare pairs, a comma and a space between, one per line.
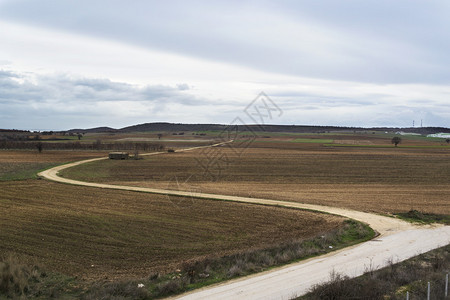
118, 155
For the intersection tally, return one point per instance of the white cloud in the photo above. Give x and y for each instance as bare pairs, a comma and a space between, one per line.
55, 101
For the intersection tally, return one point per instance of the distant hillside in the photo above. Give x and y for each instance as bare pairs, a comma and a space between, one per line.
94, 130
14, 130
171, 127
175, 127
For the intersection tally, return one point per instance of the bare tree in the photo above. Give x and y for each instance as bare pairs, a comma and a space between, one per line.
136, 152
98, 144
159, 136
39, 147
396, 140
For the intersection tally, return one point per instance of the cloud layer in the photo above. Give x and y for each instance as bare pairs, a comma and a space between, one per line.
47, 100
62, 101
91, 63
374, 41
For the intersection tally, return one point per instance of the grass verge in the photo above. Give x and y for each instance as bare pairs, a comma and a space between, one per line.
415, 216
391, 282
19, 280
23, 171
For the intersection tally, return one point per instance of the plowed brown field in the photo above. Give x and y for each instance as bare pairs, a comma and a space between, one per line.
96, 234
384, 180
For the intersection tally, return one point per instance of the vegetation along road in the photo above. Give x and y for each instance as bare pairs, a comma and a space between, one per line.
397, 241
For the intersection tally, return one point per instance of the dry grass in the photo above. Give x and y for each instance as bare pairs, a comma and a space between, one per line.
95, 233
25, 164
371, 179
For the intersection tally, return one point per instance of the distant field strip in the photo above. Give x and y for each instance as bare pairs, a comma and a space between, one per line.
319, 141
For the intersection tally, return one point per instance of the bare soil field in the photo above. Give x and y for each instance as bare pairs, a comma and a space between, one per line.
21, 156
384, 180
104, 234
99, 234
95, 233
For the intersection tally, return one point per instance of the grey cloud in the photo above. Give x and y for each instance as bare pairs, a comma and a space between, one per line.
183, 86
65, 88
317, 101
61, 101
8, 74
372, 41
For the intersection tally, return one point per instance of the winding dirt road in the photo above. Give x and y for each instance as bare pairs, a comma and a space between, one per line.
397, 241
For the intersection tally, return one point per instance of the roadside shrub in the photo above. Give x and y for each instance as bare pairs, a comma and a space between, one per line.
173, 286
153, 276
337, 288
342, 287
14, 277
19, 280
117, 290
235, 270
263, 258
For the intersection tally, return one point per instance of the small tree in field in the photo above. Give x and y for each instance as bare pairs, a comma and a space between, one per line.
396, 140
448, 141
39, 147
159, 136
136, 152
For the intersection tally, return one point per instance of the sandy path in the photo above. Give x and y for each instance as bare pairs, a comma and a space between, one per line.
398, 240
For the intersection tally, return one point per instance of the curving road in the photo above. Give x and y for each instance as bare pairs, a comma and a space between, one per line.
397, 241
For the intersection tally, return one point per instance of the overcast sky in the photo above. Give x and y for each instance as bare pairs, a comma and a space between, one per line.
80, 64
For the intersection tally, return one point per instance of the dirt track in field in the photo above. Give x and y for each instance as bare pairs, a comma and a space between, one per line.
398, 240
383, 225
382, 181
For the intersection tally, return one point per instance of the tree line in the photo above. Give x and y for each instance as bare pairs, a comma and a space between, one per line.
97, 145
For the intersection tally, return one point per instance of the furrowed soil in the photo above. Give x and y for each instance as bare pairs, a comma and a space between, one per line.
106, 234
98, 234
383, 180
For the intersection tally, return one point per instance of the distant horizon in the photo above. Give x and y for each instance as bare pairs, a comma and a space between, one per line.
224, 124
